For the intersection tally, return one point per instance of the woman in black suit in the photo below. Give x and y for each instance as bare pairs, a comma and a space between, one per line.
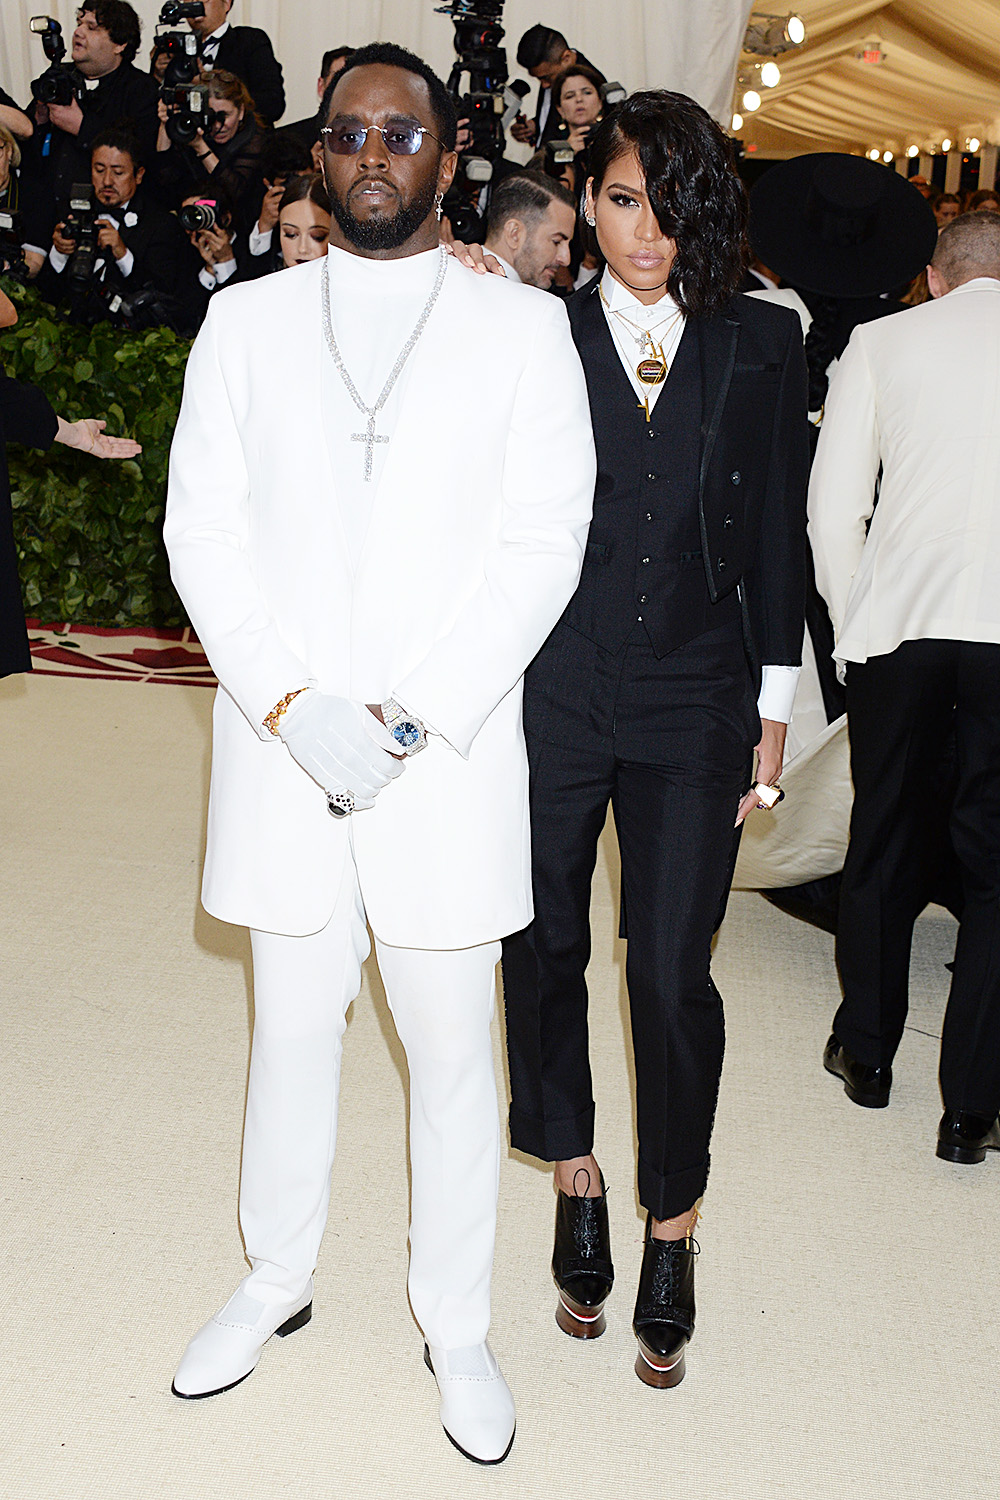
646, 693
26, 417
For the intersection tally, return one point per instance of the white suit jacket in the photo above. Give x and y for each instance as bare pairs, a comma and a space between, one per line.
474, 547
918, 393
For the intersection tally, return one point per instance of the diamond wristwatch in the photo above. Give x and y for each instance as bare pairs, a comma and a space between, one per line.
405, 728
409, 734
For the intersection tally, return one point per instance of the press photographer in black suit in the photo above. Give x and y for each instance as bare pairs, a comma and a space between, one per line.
245, 51
646, 693
112, 92
138, 243
27, 417
307, 131
544, 53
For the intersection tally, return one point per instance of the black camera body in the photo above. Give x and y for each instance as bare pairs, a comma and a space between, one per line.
173, 11
12, 261
195, 217
61, 82
80, 225
482, 62
189, 112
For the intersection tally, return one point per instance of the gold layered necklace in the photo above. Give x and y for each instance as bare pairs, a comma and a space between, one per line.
652, 368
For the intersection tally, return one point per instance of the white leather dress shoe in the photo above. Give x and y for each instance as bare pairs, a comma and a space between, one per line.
227, 1349
477, 1408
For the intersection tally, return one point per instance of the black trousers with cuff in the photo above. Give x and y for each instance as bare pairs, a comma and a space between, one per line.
899, 709
669, 743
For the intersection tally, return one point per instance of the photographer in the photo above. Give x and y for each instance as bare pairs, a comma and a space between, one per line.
284, 157
227, 153
544, 53
107, 90
26, 417
307, 131
576, 99
136, 244
531, 223
245, 51
206, 217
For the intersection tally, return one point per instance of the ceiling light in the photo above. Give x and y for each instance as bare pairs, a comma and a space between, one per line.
874, 154
887, 156
751, 101
946, 144
974, 143
912, 151
737, 122
770, 75
770, 35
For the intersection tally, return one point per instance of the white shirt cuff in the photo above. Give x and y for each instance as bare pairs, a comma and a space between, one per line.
127, 264
224, 270
57, 260
260, 240
777, 693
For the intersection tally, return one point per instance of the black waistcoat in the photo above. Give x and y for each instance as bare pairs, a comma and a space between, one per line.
643, 574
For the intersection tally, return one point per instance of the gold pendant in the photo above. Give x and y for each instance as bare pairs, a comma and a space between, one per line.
651, 371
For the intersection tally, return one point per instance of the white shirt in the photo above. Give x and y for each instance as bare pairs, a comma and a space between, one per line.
374, 307
210, 45
665, 322
509, 271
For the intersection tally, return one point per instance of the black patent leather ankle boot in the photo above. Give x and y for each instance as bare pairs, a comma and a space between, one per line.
581, 1264
664, 1309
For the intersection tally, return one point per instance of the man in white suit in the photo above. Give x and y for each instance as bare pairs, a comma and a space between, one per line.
380, 488
915, 604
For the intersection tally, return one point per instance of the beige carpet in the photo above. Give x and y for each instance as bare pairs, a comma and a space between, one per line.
848, 1289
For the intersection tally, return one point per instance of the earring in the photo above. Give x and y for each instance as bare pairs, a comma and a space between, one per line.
438, 209
591, 221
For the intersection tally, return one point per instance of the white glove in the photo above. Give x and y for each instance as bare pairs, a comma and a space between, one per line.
340, 744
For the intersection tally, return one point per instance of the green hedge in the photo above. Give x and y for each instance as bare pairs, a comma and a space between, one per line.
88, 531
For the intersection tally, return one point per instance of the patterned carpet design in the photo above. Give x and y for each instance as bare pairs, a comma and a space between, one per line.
131, 654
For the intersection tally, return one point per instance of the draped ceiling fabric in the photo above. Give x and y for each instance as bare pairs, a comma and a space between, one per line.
691, 47
940, 76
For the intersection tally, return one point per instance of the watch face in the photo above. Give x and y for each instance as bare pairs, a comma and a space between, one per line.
406, 734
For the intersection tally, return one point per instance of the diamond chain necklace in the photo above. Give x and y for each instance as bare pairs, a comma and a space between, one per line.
370, 438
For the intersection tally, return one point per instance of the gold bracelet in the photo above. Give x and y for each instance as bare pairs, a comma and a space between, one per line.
271, 720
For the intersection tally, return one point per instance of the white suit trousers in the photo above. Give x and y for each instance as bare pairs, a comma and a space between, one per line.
442, 1004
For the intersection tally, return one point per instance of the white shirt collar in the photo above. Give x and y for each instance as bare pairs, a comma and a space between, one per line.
511, 273
216, 36
978, 284
619, 299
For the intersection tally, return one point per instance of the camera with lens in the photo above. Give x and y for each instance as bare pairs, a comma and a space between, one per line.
195, 217
12, 261
482, 62
173, 11
188, 111
80, 225
61, 82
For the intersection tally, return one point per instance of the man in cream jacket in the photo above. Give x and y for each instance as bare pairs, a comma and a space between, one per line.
915, 603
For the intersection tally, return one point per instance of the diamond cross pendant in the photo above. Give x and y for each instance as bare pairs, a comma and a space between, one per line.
369, 438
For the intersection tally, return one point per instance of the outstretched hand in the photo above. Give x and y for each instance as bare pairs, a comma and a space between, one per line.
89, 436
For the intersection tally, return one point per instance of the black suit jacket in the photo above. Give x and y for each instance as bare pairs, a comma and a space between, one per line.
247, 52
126, 96
25, 417
160, 250
754, 458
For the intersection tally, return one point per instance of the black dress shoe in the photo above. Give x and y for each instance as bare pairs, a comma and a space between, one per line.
965, 1137
581, 1264
863, 1085
664, 1309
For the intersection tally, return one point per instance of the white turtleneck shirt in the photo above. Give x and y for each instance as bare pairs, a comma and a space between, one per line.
374, 306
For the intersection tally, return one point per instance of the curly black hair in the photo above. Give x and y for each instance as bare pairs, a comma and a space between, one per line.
693, 188
119, 20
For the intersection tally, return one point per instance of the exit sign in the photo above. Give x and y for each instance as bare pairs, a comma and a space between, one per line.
872, 55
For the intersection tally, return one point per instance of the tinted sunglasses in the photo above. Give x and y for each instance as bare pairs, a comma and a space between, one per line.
348, 137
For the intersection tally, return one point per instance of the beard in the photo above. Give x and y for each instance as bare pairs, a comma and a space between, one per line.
384, 231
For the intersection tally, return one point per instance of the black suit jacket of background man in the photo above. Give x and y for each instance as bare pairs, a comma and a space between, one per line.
752, 466
247, 52
162, 254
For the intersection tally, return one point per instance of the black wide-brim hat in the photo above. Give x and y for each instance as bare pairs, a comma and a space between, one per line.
840, 225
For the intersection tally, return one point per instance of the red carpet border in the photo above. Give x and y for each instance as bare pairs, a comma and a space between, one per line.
130, 654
